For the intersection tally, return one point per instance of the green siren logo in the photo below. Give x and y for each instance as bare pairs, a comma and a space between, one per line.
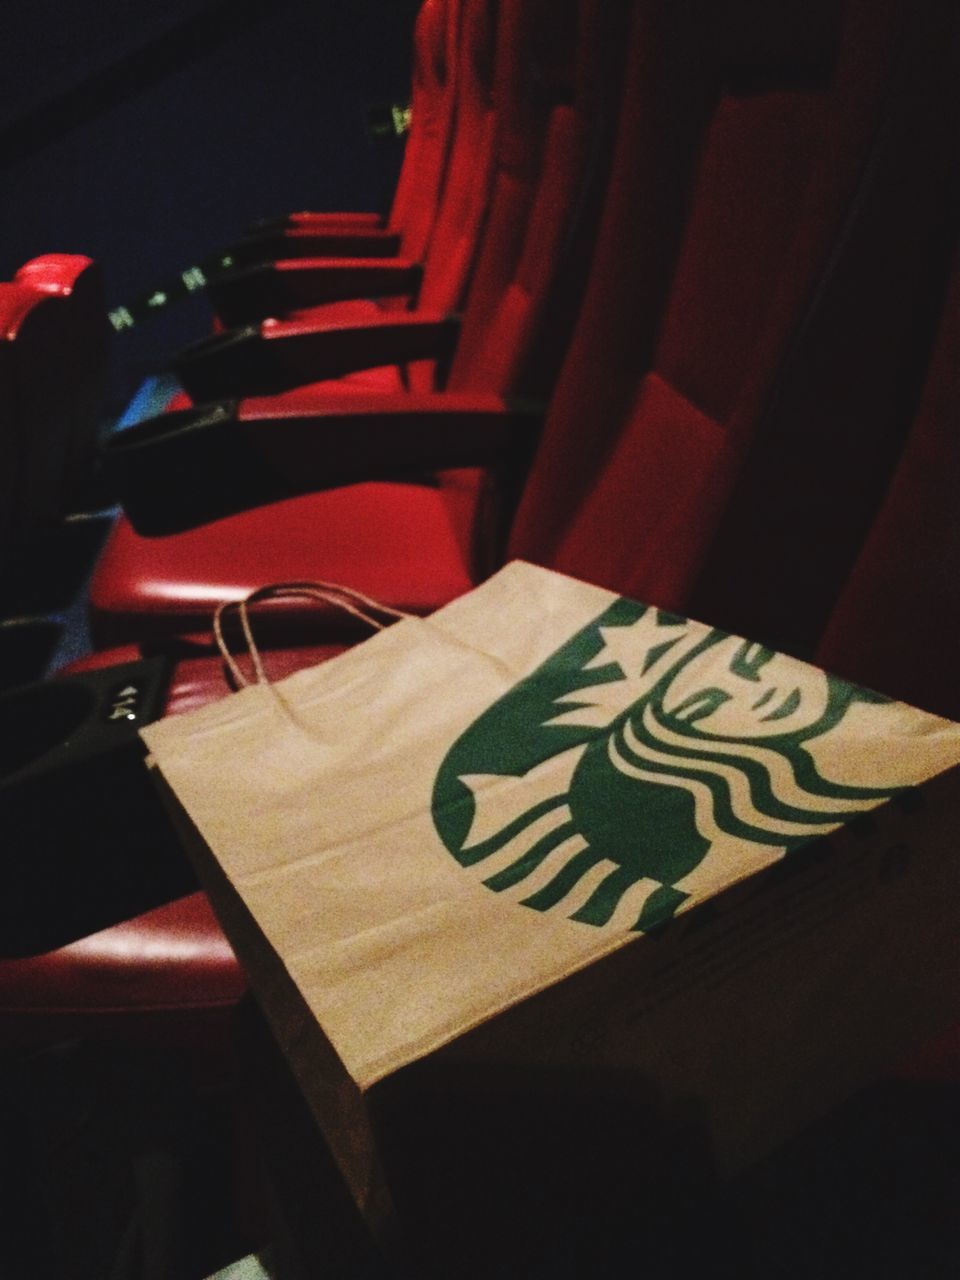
647, 763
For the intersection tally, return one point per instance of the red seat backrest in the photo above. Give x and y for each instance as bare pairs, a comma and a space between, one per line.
420, 183
533, 68
659, 405
896, 624
552, 166
466, 179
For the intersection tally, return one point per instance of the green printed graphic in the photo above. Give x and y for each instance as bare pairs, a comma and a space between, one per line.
638, 765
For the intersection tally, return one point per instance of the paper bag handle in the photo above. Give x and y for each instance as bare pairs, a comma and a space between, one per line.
347, 598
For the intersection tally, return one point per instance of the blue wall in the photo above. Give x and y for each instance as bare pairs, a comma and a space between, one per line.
153, 171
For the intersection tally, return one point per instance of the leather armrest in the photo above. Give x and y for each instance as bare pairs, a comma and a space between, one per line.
281, 354
249, 294
180, 470
313, 242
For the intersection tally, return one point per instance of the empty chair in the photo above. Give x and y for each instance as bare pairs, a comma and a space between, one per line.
406, 229
657, 411
551, 156
444, 255
556, 101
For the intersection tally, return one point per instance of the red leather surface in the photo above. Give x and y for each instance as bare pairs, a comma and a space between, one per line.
543, 147
537, 40
172, 958
666, 99
704, 333
164, 973
676, 453
396, 542
420, 183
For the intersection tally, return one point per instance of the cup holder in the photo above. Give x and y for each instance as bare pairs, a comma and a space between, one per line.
38, 718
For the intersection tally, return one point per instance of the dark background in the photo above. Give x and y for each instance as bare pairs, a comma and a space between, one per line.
147, 135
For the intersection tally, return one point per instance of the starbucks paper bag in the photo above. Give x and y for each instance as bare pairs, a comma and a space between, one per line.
465, 810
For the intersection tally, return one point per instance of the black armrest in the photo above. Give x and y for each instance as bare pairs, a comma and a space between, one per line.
180, 470
282, 243
279, 355
249, 294
321, 220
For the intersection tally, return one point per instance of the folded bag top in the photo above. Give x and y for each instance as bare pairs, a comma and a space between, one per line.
467, 808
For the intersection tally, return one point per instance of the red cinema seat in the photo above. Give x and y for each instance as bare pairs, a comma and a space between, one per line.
760, 442
557, 85
646, 430
406, 229
657, 411
46, 985
440, 272
551, 161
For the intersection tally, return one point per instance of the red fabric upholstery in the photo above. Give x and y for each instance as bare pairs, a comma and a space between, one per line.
446, 217
433, 103
393, 541
434, 96
896, 623
673, 405
166, 976
757, 294
703, 282
543, 141
495, 150
840, 405
171, 968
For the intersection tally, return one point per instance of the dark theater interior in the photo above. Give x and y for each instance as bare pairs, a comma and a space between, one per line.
341, 308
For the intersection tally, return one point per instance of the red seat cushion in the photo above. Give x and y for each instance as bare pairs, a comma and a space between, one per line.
172, 958
400, 543
165, 975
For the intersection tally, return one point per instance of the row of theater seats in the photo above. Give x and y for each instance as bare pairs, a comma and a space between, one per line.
664, 302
